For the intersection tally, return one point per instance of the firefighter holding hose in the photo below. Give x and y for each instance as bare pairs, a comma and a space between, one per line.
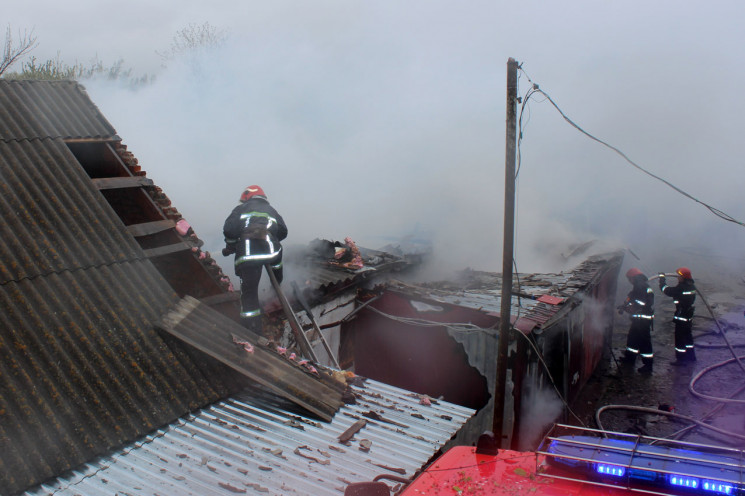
683, 295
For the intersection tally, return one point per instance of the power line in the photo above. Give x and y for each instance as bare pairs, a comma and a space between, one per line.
536, 89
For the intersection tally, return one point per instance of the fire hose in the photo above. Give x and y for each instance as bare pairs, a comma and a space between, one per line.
721, 401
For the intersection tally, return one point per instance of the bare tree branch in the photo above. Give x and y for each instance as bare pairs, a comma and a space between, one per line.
12, 51
193, 39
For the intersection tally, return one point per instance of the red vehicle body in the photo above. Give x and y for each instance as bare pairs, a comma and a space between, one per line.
461, 472
574, 461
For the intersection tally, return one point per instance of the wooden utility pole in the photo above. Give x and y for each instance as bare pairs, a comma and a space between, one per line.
507, 251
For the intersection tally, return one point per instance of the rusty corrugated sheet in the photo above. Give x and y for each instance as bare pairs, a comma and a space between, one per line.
254, 443
41, 109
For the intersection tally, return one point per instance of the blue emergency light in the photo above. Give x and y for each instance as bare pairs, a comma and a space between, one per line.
678, 467
610, 470
718, 487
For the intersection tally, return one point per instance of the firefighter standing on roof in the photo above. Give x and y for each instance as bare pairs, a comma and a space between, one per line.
639, 304
253, 231
684, 295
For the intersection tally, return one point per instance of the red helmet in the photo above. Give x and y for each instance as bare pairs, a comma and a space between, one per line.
633, 272
252, 191
684, 272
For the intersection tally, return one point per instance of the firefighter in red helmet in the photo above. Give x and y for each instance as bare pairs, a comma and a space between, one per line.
684, 296
253, 232
639, 304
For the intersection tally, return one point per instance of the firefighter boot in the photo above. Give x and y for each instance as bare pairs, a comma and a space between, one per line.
681, 358
629, 358
253, 324
645, 369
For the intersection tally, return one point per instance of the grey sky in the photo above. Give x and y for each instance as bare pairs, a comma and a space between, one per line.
375, 119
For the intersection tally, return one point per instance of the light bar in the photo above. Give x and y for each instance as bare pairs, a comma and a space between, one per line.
717, 487
681, 481
614, 470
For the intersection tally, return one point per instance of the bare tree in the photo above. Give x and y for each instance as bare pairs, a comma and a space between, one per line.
193, 39
13, 51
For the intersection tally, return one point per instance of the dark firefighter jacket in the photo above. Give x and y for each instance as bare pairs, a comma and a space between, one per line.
639, 303
254, 230
684, 295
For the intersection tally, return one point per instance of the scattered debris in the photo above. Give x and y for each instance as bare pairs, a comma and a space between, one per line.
183, 227
666, 408
275, 451
245, 344
365, 445
345, 255
392, 469
294, 423
353, 429
312, 458
376, 416
257, 487
230, 488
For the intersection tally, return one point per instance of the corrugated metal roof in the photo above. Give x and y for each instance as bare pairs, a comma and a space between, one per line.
255, 443
483, 290
42, 109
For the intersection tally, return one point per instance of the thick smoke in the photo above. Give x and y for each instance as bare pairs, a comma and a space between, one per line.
382, 121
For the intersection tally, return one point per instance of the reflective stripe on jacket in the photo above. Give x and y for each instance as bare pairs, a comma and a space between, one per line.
255, 229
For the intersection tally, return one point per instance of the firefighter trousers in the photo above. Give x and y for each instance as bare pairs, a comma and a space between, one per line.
684, 349
250, 274
639, 342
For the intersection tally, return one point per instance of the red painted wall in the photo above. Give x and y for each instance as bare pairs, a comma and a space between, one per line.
425, 360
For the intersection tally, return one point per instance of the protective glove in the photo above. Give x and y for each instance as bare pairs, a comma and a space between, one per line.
662, 281
228, 250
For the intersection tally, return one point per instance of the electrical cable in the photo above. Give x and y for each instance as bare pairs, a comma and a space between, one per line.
536, 89
719, 213
463, 327
524, 102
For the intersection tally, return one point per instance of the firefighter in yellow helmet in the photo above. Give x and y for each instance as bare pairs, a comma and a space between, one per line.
684, 296
639, 304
